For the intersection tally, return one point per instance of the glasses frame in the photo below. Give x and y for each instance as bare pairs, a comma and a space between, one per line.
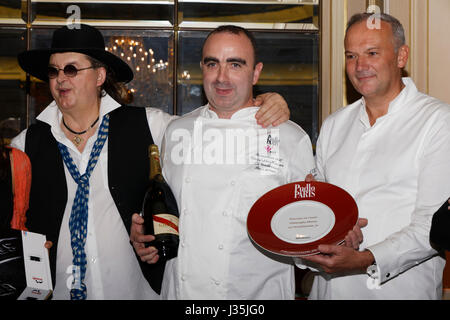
65, 71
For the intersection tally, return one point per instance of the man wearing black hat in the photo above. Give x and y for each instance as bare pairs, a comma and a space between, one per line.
90, 168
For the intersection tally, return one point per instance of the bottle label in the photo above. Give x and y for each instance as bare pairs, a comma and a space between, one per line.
165, 223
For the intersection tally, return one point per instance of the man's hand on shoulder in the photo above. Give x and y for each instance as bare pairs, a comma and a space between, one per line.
273, 109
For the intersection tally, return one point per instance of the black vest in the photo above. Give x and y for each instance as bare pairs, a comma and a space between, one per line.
128, 172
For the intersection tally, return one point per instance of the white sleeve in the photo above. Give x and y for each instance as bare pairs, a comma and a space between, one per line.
301, 162
411, 245
158, 121
18, 141
320, 147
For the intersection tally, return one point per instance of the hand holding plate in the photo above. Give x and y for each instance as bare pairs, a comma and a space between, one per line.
355, 237
336, 259
293, 219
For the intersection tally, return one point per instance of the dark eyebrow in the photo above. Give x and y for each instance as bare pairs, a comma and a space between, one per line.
241, 61
368, 49
210, 59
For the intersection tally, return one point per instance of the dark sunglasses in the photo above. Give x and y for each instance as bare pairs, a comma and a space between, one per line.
69, 71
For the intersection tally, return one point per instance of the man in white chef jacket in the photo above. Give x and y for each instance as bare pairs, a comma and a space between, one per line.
391, 151
218, 162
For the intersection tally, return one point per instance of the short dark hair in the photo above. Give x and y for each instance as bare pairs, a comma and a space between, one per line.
235, 30
397, 29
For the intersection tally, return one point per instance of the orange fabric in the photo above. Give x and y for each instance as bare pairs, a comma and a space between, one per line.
21, 171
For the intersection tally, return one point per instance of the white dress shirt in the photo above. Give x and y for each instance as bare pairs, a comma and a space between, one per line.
216, 180
398, 171
112, 269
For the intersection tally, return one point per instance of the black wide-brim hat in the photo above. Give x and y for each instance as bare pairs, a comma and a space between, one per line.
79, 38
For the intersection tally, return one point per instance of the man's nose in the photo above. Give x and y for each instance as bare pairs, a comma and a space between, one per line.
222, 74
61, 76
361, 63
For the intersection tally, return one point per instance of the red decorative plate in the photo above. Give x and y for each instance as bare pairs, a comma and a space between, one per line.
293, 219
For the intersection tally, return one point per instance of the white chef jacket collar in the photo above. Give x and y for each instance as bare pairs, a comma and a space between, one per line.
243, 113
397, 104
52, 115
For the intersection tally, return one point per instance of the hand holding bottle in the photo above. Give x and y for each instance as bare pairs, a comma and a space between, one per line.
48, 245
139, 239
160, 210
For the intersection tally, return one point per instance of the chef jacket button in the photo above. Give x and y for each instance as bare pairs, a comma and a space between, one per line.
183, 278
233, 183
388, 275
220, 246
225, 213
187, 180
185, 211
216, 282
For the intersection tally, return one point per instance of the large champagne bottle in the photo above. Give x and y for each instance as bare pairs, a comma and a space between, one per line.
160, 211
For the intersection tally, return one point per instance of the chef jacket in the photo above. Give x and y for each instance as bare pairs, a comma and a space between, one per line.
217, 168
398, 171
112, 270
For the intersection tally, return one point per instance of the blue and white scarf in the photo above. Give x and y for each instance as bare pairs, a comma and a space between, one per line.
79, 214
